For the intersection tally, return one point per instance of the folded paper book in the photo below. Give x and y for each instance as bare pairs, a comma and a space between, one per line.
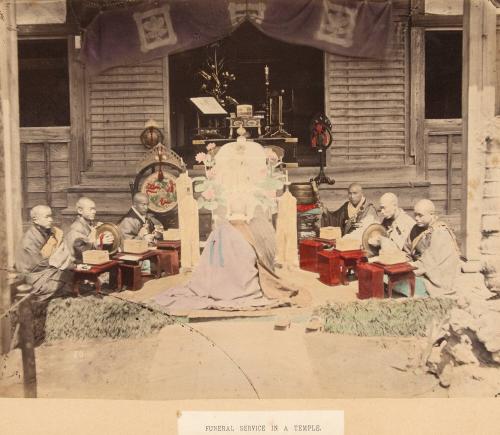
135, 246
392, 256
330, 233
347, 244
95, 257
172, 234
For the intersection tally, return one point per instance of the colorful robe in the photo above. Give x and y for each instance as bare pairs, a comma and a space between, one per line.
347, 216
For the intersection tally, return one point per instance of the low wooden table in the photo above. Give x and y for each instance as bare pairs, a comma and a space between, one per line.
131, 275
170, 261
165, 261
397, 273
93, 274
174, 245
370, 281
329, 267
308, 254
349, 260
329, 243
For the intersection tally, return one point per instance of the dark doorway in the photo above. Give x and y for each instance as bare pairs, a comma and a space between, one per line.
297, 70
43, 83
443, 74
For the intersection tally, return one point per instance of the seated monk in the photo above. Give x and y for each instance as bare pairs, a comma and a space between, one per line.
397, 223
82, 234
137, 224
33, 256
353, 216
433, 249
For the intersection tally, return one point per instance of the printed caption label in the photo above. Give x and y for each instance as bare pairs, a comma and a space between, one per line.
260, 422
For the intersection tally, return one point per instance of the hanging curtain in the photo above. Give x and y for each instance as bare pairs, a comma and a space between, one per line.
141, 33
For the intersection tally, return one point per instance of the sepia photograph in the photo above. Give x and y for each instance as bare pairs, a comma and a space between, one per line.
250, 200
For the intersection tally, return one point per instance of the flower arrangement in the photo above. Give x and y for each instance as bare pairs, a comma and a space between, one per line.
210, 197
216, 80
213, 195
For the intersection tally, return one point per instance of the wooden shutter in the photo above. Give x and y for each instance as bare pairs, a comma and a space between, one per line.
121, 100
366, 102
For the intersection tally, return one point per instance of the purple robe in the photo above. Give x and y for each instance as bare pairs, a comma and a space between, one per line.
233, 274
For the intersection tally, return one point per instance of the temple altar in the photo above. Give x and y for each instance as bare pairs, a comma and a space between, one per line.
289, 145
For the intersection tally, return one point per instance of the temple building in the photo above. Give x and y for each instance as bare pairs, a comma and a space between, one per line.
411, 122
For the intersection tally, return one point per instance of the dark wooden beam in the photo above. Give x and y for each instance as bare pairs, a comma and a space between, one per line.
417, 98
47, 30
77, 102
44, 134
48, 174
431, 20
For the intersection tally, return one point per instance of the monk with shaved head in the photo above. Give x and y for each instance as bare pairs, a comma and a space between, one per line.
34, 252
433, 250
354, 215
396, 221
82, 235
138, 223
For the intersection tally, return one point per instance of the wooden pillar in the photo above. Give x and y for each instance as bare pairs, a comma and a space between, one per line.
417, 98
27, 339
77, 83
10, 161
478, 110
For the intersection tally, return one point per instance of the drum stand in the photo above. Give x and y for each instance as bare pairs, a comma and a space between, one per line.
322, 178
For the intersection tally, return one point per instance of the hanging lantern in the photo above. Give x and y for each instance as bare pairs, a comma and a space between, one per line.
151, 135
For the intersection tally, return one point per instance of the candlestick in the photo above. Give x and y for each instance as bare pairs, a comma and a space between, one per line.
286, 176
268, 108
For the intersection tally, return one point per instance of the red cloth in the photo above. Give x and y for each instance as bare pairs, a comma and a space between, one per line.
301, 208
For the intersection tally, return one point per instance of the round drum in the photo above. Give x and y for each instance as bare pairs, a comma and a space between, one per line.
303, 192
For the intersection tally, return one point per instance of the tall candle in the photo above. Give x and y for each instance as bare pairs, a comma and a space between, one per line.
286, 176
266, 71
